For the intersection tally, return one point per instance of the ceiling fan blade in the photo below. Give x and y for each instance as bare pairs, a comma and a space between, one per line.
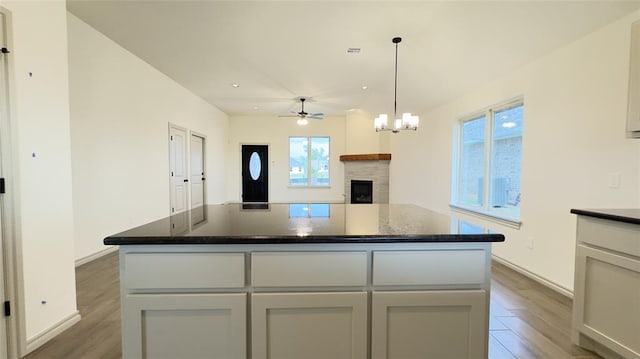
315, 117
317, 114
288, 116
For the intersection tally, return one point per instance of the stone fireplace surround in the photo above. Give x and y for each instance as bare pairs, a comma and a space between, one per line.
368, 167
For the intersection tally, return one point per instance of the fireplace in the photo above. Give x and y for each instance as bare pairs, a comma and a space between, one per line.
361, 191
372, 169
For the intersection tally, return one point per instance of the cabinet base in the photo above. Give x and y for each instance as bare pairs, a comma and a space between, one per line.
592, 345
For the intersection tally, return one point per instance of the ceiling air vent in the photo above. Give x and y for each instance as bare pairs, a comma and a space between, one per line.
353, 50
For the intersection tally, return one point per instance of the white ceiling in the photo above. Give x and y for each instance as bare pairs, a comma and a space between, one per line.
278, 51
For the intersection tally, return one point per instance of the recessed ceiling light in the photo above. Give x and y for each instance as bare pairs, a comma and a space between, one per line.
364, 87
235, 85
256, 107
353, 50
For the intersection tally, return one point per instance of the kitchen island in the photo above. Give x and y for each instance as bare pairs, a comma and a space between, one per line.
606, 296
309, 281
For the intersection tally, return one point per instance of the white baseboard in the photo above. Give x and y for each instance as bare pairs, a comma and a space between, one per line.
43, 337
558, 288
95, 256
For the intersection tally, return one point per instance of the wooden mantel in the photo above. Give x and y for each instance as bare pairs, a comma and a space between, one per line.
367, 157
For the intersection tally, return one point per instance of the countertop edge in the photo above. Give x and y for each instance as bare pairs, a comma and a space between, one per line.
605, 214
220, 240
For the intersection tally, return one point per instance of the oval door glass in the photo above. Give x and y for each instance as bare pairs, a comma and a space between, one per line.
255, 166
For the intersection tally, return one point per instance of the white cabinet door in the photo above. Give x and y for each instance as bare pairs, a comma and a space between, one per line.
184, 326
607, 299
435, 324
309, 325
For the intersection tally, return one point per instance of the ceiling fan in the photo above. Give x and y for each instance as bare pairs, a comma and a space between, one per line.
302, 115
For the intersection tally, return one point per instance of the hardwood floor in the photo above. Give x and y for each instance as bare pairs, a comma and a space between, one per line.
528, 320
97, 335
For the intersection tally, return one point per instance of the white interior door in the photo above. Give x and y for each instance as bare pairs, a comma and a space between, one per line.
197, 171
178, 168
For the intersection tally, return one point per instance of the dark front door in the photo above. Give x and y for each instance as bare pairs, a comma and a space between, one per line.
255, 173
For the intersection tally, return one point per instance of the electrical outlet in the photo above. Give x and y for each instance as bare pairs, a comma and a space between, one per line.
530, 242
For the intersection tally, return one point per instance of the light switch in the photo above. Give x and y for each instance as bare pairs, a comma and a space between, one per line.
614, 180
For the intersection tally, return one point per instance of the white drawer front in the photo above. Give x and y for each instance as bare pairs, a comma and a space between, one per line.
438, 267
308, 269
617, 236
184, 270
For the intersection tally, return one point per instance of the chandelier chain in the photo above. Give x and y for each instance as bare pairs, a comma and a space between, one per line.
395, 90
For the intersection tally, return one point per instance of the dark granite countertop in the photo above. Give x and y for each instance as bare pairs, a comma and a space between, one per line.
629, 215
237, 223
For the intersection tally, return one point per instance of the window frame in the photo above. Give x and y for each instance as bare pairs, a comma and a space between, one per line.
308, 163
483, 211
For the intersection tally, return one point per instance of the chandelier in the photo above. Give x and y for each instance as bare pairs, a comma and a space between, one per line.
407, 121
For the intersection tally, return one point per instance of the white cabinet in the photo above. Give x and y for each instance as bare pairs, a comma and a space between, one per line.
309, 325
170, 326
429, 324
606, 311
612, 286
311, 301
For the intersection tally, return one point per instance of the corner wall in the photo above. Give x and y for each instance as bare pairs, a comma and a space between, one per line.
42, 165
575, 102
121, 108
361, 135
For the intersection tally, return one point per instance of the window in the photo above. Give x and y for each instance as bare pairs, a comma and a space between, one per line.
489, 161
309, 161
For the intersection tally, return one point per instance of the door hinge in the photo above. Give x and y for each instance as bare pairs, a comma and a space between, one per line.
7, 308
2, 189
4, 50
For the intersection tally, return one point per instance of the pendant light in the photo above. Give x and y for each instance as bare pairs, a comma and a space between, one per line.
407, 121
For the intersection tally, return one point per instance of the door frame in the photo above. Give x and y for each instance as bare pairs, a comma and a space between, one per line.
239, 161
204, 166
10, 240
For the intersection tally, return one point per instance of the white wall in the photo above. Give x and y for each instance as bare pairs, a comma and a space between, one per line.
42, 162
120, 111
574, 137
361, 135
275, 132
